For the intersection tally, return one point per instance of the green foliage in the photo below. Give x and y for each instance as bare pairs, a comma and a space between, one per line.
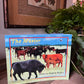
74, 33
66, 21
76, 51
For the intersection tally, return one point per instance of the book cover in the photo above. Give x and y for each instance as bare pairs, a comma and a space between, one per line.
38, 57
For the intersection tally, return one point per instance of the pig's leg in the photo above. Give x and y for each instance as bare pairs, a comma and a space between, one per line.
14, 74
58, 64
35, 74
61, 64
24, 56
47, 65
20, 76
54, 65
29, 75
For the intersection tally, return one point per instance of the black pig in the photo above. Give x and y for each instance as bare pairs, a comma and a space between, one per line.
27, 66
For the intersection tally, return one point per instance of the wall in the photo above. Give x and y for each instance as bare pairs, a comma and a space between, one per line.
12, 31
69, 3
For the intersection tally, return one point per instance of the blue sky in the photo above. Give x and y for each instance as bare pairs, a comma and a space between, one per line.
46, 39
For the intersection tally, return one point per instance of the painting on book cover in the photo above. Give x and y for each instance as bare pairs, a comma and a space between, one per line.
34, 58
48, 4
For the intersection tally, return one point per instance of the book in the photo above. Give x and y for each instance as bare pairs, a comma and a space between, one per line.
37, 57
